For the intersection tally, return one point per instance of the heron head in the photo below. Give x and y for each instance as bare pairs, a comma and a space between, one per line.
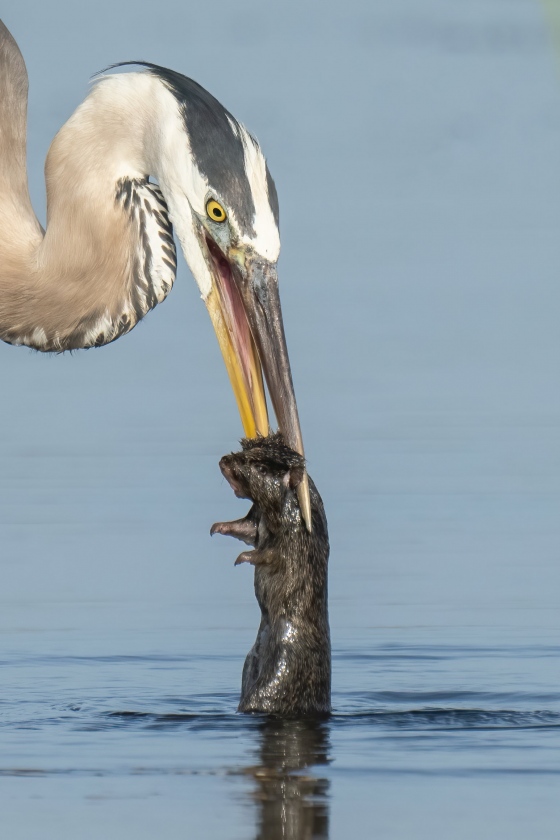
224, 208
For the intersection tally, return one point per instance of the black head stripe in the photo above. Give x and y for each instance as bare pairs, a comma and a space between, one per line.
272, 197
216, 146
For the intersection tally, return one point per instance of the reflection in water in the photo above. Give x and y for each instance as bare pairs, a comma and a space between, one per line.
292, 804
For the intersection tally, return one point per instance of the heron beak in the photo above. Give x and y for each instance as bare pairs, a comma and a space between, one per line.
257, 281
244, 306
241, 357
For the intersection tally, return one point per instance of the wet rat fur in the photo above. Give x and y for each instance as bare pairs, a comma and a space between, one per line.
288, 670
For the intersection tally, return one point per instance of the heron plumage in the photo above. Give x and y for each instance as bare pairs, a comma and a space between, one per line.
107, 255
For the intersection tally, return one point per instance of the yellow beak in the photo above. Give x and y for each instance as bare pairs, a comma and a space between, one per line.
243, 367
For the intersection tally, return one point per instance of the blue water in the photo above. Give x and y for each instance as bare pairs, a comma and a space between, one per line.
416, 150
424, 739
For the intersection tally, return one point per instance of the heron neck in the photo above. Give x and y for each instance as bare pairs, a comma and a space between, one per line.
18, 223
82, 269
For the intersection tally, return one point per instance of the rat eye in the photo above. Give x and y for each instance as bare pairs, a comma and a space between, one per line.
215, 211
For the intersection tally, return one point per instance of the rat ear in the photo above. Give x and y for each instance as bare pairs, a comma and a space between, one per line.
296, 477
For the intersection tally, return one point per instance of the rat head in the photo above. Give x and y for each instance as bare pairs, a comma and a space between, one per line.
267, 472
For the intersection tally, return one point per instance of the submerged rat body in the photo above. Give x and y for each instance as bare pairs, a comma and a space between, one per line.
288, 670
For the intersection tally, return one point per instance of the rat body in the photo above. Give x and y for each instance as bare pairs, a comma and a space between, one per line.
288, 670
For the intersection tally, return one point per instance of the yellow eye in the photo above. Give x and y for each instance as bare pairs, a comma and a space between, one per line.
215, 211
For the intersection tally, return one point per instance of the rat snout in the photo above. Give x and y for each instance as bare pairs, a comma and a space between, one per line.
232, 476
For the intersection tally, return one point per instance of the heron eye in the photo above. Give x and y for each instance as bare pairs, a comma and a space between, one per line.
215, 211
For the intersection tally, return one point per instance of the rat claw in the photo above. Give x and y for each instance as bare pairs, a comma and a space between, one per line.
242, 529
244, 557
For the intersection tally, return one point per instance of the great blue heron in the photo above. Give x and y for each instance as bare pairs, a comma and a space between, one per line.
108, 256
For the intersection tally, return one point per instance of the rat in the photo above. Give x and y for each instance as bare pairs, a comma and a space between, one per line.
288, 670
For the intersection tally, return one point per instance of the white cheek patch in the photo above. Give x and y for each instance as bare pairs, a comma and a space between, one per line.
183, 185
181, 217
266, 240
173, 160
